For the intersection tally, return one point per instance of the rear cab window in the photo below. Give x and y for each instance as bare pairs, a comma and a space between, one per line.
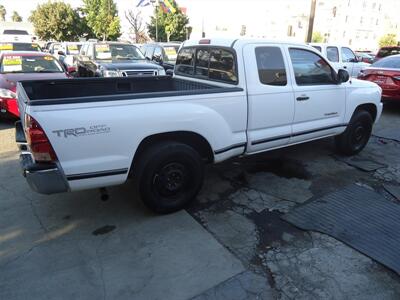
388, 51
210, 63
271, 66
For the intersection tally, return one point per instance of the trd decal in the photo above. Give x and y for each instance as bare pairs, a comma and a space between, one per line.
82, 131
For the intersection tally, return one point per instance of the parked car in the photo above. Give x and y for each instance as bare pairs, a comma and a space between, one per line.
387, 51
162, 53
66, 53
16, 66
16, 35
385, 73
365, 57
114, 59
19, 46
342, 57
227, 98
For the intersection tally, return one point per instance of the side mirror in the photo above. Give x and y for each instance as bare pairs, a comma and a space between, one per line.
342, 76
61, 53
170, 72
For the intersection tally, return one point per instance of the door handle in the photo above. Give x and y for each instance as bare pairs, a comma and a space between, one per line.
344, 67
302, 98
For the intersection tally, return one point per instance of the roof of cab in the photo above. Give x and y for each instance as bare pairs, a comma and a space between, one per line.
240, 42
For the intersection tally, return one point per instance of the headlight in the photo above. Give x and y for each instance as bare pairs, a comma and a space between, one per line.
4, 93
161, 72
111, 73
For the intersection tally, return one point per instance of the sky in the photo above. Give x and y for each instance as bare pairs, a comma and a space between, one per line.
207, 12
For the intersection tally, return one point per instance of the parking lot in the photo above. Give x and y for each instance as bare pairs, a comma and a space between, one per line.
230, 244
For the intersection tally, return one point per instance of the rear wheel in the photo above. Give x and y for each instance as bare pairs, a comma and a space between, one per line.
170, 175
356, 135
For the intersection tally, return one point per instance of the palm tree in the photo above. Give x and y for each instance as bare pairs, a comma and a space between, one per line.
16, 17
3, 13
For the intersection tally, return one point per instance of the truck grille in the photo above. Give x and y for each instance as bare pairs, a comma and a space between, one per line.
129, 73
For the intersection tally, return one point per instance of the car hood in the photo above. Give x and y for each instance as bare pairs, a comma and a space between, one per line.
128, 65
8, 81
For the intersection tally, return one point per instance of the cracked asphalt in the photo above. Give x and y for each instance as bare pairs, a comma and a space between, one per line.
230, 244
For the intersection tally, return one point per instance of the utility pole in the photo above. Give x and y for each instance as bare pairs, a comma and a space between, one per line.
311, 21
155, 4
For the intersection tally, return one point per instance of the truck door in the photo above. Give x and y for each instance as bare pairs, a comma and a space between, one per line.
270, 97
319, 100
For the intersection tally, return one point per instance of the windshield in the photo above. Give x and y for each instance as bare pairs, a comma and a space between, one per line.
29, 64
16, 32
388, 51
171, 53
388, 62
117, 52
73, 49
19, 47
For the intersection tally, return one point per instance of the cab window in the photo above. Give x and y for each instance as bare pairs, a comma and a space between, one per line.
157, 53
310, 68
185, 61
348, 55
222, 66
271, 67
332, 53
202, 62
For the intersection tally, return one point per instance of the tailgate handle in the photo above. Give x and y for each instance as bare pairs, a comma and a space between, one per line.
302, 98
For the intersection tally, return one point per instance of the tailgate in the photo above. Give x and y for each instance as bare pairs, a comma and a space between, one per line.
22, 99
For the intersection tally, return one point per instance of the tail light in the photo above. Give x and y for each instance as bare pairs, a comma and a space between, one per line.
38, 142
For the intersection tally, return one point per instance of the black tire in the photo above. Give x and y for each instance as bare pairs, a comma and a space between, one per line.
356, 135
169, 176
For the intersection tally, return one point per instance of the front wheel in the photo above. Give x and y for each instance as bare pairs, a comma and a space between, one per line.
356, 135
170, 176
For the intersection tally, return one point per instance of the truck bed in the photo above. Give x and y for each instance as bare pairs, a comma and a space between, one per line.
65, 91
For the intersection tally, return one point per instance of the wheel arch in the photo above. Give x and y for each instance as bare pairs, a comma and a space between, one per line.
190, 138
370, 108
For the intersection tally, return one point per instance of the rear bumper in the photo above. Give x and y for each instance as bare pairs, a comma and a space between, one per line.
42, 178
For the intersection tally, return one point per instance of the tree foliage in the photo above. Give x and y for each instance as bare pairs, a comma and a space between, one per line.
317, 37
16, 17
171, 26
102, 18
137, 26
57, 21
3, 13
389, 39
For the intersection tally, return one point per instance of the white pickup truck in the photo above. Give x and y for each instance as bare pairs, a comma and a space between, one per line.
227, 98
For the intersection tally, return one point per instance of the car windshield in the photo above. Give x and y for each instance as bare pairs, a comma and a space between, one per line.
73, 49
11, 63
19, 47
388, 51
16, 32
117, 52
388, 62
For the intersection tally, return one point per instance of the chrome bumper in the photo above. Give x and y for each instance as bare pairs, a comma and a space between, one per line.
42, 178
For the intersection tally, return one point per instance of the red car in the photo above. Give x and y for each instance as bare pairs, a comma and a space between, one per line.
385, 73
16, 66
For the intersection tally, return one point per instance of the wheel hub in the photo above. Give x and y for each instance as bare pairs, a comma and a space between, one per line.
171, 178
